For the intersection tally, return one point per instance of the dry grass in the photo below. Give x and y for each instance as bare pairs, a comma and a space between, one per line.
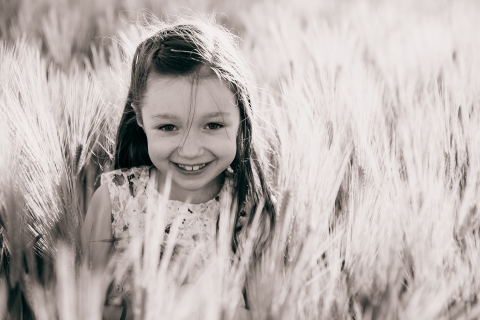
376, 109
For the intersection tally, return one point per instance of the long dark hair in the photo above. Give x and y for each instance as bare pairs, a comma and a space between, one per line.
198, 48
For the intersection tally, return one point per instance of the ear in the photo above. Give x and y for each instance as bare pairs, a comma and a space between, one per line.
138, 115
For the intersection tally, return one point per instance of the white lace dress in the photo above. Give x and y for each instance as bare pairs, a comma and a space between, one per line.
130, 190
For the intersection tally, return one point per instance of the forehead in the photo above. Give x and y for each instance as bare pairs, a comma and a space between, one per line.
177, 95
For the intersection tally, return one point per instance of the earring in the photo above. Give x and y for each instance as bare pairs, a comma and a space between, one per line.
229, 169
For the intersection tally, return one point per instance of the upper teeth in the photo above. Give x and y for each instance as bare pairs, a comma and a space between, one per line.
194, 168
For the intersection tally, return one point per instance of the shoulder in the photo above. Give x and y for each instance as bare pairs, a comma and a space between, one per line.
98, 207
122, 177
126, 181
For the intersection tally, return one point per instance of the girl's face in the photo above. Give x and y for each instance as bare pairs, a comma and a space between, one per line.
191, 131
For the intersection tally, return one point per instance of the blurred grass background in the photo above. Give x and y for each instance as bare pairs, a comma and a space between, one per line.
372, 108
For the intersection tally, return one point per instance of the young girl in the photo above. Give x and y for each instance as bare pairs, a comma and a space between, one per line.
188, 114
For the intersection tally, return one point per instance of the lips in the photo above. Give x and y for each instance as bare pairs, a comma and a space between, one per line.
193, 169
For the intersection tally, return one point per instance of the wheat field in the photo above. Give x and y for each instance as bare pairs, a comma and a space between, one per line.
371, 108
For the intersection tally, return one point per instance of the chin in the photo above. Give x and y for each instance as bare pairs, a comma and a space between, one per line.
193, 186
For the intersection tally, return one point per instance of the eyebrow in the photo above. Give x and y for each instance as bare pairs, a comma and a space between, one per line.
166, 116
171, 116
216, 114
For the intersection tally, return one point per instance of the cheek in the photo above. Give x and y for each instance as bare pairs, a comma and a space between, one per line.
230, 146
229, 152
159, 148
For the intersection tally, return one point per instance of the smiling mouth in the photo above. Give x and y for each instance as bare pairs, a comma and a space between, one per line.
191, 168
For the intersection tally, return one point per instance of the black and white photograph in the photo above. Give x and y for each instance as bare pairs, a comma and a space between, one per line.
239, 159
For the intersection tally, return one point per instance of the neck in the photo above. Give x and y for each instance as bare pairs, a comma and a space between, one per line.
202, 195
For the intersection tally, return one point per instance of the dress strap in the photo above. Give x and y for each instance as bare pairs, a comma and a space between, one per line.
126, 188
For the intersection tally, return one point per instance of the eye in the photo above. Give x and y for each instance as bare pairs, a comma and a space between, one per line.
168, 127
214, 126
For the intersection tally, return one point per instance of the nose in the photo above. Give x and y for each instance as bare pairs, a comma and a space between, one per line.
192, 146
